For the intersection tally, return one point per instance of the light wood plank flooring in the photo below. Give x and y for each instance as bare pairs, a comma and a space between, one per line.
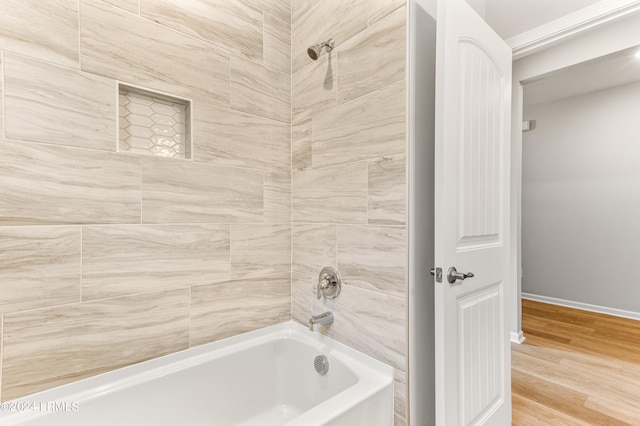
575, 368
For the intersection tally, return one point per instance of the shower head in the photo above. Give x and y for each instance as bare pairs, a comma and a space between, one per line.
315, 50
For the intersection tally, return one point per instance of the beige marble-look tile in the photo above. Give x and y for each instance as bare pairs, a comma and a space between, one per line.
373, 257
388, 190
371, 126
128, 259
313, 88
120, 45
231, 25
377, 9
331, 194
302, 294
277, 197
260, 249
132, 6
259, 90
337, 19
400, 397
281, 9
39, 266
45, 30
46, 184
362, 72
233, 138
371, 322
49, 347
300, 7
314, 247
277, 44
186, 192
233, 307
301, 141
52, 104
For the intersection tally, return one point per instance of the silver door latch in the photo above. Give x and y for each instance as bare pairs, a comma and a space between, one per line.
437, 272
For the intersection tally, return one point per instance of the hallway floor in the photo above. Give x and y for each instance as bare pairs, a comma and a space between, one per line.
575, 368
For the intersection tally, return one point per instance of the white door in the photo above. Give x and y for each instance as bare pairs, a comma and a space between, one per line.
473, 96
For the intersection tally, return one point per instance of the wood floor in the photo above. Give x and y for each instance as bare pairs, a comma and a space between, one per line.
575, 368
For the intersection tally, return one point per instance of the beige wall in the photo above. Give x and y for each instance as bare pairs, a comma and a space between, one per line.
349, 165
107, 258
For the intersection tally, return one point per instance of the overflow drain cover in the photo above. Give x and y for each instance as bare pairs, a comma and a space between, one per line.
321, 364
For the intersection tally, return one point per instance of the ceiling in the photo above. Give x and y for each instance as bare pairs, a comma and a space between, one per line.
511, 17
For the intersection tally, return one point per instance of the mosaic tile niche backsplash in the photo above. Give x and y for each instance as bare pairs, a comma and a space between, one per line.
151, 124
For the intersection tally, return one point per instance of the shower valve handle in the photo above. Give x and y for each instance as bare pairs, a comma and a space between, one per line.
329, 283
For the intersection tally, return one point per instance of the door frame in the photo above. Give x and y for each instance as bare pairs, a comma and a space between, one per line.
421, 80
600, 29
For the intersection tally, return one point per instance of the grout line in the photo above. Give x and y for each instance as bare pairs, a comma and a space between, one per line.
4, 95
351, 163
81, 261
189, 316
117, 108
51, 64
79, 37
142, 293
210, 223
368, 225
274, 121
151, 224
291, 158
337, 79
218, 49
375, 291
142, 156
141, 188
1, 353
335, 248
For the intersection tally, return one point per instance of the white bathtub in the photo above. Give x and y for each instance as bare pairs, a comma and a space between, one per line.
265, 377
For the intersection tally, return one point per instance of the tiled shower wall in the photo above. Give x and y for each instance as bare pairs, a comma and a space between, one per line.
349, 167
109, 258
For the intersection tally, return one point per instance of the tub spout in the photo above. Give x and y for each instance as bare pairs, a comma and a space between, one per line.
322, 319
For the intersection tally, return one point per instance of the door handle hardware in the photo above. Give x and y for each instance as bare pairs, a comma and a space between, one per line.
453, 275
437, 272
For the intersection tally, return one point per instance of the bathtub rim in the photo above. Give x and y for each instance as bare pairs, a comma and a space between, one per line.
373, 375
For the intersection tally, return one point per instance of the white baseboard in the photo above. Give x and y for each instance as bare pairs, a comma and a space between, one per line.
517, 337
584, 306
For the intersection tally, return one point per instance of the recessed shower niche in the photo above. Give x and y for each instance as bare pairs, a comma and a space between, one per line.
153, 123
